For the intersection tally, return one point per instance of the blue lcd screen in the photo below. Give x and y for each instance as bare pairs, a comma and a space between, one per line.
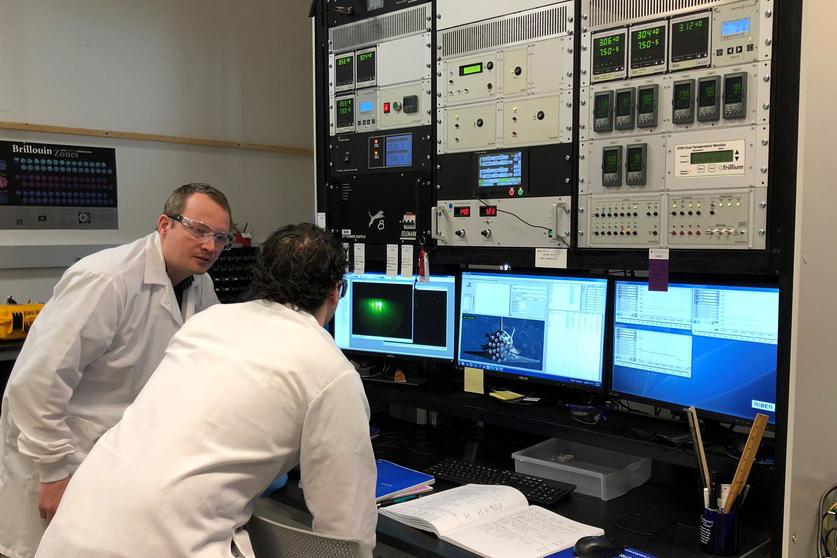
366, 107
397, 315
399, 151
710, 346
735, 27
543, 327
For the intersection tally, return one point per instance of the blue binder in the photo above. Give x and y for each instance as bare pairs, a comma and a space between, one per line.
394, 480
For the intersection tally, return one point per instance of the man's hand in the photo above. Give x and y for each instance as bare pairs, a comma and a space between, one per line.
49, 496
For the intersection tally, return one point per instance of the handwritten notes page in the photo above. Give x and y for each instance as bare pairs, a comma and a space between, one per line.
452, 509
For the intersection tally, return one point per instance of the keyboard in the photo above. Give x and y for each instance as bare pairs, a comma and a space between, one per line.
537, 490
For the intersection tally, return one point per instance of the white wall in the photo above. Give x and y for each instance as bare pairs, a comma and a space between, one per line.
812, 451
202, 68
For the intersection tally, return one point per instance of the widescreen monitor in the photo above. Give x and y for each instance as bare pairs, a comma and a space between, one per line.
397, 315
711, 346
534, 327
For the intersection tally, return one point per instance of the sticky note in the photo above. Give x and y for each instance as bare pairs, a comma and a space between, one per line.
505, 395
474, 380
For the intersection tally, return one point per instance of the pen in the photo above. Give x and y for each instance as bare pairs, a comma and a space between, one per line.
397, 500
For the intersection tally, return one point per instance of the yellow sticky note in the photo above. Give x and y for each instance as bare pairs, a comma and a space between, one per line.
506, 395
474, 380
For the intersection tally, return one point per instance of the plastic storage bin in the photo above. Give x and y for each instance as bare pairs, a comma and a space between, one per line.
598, 472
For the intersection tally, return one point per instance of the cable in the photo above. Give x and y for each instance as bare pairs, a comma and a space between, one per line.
528, 224
821, 541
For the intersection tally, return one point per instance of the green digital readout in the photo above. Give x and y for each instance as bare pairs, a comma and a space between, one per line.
733, 90
602, 108
611, 161
470, 69
709, 157
708, 94
344, 61
682, 96
366, 56
624, 103
634, 163
344, 72
647, 101
692, 25
648, 46
609, 53
345, 112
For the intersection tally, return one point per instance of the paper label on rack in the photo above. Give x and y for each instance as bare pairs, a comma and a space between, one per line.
474, 380
555, 258
360, 258
392, 260
407, 260
321, 220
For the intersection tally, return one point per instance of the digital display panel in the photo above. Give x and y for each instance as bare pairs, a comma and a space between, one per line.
500, 169
611, 161
707, 93
366, 66
634, 162
544, 327
344, 70
707, 157
647, 101
365, 107
690, 39
345, 112
602, 108
735, 27
609, 53
462, 211
711, 346
733, 90
399, 150
624, 103
648, 46
682, 96
397, 315
470, 69
488, 211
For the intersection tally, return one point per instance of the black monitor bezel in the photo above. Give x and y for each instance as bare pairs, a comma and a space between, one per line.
408, 357
599, 389
679, 280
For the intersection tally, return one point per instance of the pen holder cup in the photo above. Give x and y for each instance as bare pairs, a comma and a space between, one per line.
720, 533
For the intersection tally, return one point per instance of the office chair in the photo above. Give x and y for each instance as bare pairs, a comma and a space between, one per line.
272, 539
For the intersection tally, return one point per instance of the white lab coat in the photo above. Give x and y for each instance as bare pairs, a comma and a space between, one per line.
244, 393
86, 358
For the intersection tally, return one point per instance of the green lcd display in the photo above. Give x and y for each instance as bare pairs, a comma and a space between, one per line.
470, 69
624, 103
682, 96
708, 94
646, 101
609, 53
634, 159
345, 112
344, 73
708, 157
602, 109
733, 90
611, 161
648, 46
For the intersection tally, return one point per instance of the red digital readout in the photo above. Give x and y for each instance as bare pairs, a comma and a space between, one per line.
488, 211
462, 211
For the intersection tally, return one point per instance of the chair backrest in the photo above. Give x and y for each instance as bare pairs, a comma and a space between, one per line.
271, 539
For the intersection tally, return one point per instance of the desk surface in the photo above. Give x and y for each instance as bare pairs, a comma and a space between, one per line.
653, 518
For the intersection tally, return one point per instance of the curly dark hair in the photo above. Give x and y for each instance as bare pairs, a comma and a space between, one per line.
299, 265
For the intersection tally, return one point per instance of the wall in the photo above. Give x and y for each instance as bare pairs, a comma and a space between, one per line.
200, 68
812, 452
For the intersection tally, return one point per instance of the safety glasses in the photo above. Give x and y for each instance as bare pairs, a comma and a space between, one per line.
201, 231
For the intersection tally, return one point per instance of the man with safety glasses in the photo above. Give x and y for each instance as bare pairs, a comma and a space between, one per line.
92, 349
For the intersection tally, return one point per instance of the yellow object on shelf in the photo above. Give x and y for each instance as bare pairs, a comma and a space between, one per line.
16, 319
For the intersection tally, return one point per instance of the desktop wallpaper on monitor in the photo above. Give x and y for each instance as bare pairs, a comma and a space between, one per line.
711, 346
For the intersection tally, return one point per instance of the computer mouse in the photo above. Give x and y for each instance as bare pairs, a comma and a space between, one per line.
597, 547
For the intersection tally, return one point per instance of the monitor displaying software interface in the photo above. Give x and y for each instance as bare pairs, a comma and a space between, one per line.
710, 346
397, 315
549, 328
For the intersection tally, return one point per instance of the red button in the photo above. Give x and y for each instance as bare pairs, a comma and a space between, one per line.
511, 192
386, 108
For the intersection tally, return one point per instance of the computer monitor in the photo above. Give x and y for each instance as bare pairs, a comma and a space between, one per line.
397, 315
534, 327
711, 346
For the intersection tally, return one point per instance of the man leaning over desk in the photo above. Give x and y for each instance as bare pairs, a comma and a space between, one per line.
244, 393
92, 349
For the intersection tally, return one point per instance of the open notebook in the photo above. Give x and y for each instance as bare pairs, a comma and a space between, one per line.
491, 521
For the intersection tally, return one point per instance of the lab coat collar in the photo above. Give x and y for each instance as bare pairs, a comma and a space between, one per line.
155, 264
